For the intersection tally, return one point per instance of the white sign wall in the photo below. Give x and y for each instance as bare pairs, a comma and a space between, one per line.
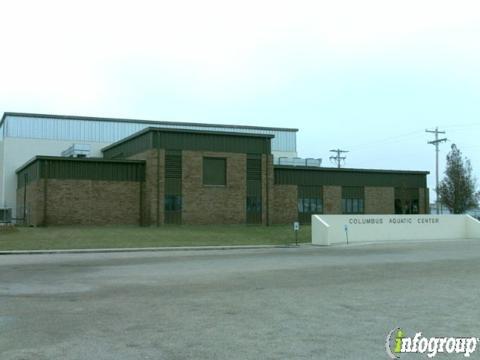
334, 229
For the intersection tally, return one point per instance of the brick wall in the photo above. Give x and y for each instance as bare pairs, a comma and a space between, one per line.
379, 200
83, 202
332, 199
204, 204
285, 210
34, 203
422, 201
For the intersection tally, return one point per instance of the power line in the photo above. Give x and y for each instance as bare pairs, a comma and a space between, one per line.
338, 158
390, 139
436, 142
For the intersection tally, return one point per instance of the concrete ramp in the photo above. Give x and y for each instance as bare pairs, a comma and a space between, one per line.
337, 229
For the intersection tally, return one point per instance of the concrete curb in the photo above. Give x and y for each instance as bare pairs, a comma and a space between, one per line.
169, 248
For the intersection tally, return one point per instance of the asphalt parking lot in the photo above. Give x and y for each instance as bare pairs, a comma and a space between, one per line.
293, 303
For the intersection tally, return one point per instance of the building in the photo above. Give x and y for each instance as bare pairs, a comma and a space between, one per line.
23, 136
153, 173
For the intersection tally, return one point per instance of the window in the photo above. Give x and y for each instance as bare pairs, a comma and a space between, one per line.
173, 203
214, 171
310, 206
353, 200
309, 202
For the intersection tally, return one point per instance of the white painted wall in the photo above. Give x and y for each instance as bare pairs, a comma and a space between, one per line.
17, 151
330, 229
473, 228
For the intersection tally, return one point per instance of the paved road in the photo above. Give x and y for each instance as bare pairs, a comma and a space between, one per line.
302, 303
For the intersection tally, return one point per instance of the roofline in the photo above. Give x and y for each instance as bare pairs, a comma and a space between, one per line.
292, 167
188, 131
64, 158
139, 121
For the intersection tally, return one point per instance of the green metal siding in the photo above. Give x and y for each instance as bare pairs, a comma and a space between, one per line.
173, 172
132, 146
284, 176
194, 141
84, 169
406, 193
173, 187
211, 142
254, 190
353, 192
28, 174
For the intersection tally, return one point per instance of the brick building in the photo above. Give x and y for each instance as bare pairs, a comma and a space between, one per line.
161, 175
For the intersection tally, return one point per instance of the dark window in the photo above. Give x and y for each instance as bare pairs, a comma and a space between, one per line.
406, 201
214, 171
309, 202
398, 206
310, 206
173, 203
415, 207
353, 200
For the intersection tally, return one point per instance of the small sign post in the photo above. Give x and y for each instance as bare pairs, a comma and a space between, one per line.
296, 228
346, 232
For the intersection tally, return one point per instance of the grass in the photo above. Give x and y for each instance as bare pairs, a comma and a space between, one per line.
78, 237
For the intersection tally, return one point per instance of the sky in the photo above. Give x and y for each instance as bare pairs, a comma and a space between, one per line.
365, 76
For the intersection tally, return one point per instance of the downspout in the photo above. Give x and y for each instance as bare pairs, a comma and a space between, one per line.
25, 180
45, 189
268, 188
140, 203
158, 185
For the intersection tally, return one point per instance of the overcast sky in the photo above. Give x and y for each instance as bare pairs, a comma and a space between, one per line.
366, 76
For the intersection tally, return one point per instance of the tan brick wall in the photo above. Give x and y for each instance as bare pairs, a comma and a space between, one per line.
213, 204
34, 203
82, 202
285, 210
379, 200
332, 199
154, 188
422, 201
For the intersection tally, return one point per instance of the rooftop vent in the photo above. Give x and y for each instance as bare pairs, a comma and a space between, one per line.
77, 150
296, 161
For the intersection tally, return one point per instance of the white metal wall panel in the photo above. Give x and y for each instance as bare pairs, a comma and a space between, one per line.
111, 131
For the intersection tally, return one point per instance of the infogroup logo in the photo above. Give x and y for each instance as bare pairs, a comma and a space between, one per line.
397, 343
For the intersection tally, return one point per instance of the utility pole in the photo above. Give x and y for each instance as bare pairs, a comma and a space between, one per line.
338, 159
436, 142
